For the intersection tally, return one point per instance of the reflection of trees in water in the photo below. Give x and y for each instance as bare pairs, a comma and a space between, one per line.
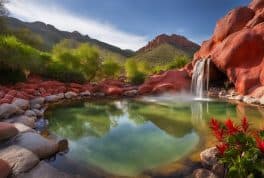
89, 119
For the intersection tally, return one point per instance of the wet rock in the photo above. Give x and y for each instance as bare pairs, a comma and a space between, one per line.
208, 157
23, 128
63, 145
7, 110
39, 145
218, 169
28, 121
54, 98
250, 100
30, 113
18, 158
85, 93
70, 95
39, 113
44, 170
39, 101
5, 169
7, 131
21, 103
203, 173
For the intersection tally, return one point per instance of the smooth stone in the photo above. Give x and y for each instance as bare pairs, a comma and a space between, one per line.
30, 113
5, 169
7, 131
36, 106
203, 173
63, 145
99, 94
54, 98
23, 128
39, 101
39, 145
250, 100
70, 95
38, 112
21, 103
19, 158
85, 93
28, 121
218, 169
208, 157
44, 170
7, 110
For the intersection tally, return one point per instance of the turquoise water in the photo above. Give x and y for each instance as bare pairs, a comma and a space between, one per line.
128, 137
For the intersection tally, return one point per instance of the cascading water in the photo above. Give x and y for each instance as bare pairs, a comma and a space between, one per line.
200, 76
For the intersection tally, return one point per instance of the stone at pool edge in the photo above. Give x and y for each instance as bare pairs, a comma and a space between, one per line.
44, 170
28, 121
70, 95
7, 110
5, 169
7, 131
54, 98
21, 103
203, 173
19, 158
209, 157
39, 145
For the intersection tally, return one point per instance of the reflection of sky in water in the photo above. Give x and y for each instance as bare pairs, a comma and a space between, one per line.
128, 137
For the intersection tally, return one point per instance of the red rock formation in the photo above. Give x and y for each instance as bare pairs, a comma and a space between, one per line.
177, 40
172, 80
237, 47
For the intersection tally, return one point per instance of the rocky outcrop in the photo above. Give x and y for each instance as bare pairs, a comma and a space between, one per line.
180, 41
173, 80
237, 48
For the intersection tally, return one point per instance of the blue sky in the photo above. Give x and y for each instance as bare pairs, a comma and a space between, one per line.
129, 24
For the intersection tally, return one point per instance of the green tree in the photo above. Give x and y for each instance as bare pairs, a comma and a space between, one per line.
133, 73
110, 68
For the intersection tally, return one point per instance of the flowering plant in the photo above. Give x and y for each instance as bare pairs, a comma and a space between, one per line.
241, 150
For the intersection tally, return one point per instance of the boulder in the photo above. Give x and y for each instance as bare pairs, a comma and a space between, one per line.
44, 170
39, 145
21, 103
23, 128
30, 113
28, 121
7, 131
85, 93
131, 93
39, 101
38, 112
5, 169
70, 95
203, 173
113, 90
209, 157
172, 80
7, 110
19, 158
54, 98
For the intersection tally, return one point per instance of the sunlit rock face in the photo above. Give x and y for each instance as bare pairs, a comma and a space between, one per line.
237, 47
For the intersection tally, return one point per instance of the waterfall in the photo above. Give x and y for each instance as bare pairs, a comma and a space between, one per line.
200, 75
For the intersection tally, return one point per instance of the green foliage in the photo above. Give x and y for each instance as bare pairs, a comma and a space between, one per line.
110, 68
11, 76
133, 72
77, 57
240, 151
28, 37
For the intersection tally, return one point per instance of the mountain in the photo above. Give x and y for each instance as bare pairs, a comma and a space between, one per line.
51, 35
165, 48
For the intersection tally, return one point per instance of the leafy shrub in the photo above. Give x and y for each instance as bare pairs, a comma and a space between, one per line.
241, 150
110, 68
133, 73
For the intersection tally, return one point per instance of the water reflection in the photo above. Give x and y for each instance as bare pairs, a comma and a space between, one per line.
128, 137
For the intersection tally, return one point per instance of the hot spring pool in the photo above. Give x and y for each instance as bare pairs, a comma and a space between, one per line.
129, 137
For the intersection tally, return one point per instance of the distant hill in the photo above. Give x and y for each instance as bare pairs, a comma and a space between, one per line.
52, 35
165, 48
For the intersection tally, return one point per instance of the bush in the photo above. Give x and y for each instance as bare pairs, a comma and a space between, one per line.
241, 150
133, 73
11, 76
110, 68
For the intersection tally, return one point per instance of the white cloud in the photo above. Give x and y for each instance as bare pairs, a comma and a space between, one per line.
30, 10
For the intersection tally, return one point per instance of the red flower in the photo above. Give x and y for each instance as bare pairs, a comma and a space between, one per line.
218, 132
231, 128
222, 147
260, 144
244, 124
